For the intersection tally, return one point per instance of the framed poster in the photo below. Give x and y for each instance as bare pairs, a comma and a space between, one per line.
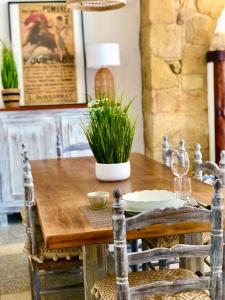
48, 45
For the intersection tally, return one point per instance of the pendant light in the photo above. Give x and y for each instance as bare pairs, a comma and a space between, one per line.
96, 5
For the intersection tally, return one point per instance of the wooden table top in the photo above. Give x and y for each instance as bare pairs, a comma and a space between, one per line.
61, 186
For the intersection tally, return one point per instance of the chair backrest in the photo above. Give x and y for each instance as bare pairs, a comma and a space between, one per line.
212, 171
60, 150
167, 151
198, 162
29, 203
169, 216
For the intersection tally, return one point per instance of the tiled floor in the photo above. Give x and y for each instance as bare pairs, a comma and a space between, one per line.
14, 278
17, 296
11, 249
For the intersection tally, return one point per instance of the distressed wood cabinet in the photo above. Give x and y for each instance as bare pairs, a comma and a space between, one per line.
38, 130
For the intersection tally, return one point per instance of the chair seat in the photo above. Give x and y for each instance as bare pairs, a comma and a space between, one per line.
51, 254
172, 240
105, 289
43, 252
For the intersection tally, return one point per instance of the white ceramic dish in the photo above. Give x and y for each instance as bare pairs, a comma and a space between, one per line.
150, 200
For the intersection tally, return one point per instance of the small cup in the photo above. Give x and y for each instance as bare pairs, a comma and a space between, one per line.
182, 188
98, 199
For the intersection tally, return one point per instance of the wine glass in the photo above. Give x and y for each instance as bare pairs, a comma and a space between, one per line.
180, 166
180, 163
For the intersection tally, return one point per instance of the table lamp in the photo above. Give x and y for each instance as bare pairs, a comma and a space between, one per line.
100, 56
96, 5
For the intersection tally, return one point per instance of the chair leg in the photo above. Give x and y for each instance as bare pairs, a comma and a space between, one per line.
144, 246
134, 248
34, 280
162, 264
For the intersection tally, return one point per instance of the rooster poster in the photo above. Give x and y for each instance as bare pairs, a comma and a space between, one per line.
48, 53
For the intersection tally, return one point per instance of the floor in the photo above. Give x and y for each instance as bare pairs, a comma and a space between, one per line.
14, 278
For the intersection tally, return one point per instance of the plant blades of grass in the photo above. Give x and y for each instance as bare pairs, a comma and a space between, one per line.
110, 131
8, 69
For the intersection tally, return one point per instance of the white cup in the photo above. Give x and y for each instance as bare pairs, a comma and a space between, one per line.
98, 200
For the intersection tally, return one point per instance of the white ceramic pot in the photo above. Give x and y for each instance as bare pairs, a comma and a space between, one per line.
112, 172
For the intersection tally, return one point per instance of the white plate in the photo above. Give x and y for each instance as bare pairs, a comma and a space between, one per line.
150, 200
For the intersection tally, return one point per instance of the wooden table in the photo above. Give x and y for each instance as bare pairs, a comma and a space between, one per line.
61, 187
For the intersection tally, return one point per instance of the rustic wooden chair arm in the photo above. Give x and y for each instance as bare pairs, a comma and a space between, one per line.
212, 168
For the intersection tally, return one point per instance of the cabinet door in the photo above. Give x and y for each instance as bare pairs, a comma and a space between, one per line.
39, 135
72, 133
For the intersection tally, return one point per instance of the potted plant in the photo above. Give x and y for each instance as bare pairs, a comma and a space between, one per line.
10, 92
110, 133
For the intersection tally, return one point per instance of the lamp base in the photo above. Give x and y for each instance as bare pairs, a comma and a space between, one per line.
104, 83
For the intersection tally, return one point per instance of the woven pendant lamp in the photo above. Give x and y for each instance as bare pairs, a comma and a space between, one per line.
96, 5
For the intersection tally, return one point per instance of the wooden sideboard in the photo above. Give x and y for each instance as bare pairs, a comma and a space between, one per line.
38, 130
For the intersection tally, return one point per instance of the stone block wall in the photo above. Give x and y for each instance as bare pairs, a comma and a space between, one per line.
175, 36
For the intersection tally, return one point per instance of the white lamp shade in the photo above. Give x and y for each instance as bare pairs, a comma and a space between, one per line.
102, 55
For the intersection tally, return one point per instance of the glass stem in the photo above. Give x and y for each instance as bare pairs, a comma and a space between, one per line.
180, 184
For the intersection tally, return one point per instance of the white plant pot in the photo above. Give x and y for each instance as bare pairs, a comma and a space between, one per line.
112, 172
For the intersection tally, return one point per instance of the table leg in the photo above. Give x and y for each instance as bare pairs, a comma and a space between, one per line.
95, 266
192, 264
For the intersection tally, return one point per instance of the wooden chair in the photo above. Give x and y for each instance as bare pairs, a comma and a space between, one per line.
198, 162
208, 178
40, 259
166, 151
166, 284
60, 150
165, 241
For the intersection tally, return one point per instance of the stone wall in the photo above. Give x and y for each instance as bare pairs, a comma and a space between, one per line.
175, 36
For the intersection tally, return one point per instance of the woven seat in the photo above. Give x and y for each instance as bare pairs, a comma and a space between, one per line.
51, 254
171, 240
105, 289
44, 253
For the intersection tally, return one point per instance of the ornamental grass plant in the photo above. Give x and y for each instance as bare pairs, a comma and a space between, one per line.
110, 130
8, 69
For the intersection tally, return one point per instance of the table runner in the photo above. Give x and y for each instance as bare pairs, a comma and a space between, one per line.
98, 217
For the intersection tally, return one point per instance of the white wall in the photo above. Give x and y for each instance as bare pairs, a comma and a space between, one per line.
119, 26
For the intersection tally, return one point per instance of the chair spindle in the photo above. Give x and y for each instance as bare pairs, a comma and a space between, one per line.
217, 242
29, 202
120, 248
165, 151
198, 162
